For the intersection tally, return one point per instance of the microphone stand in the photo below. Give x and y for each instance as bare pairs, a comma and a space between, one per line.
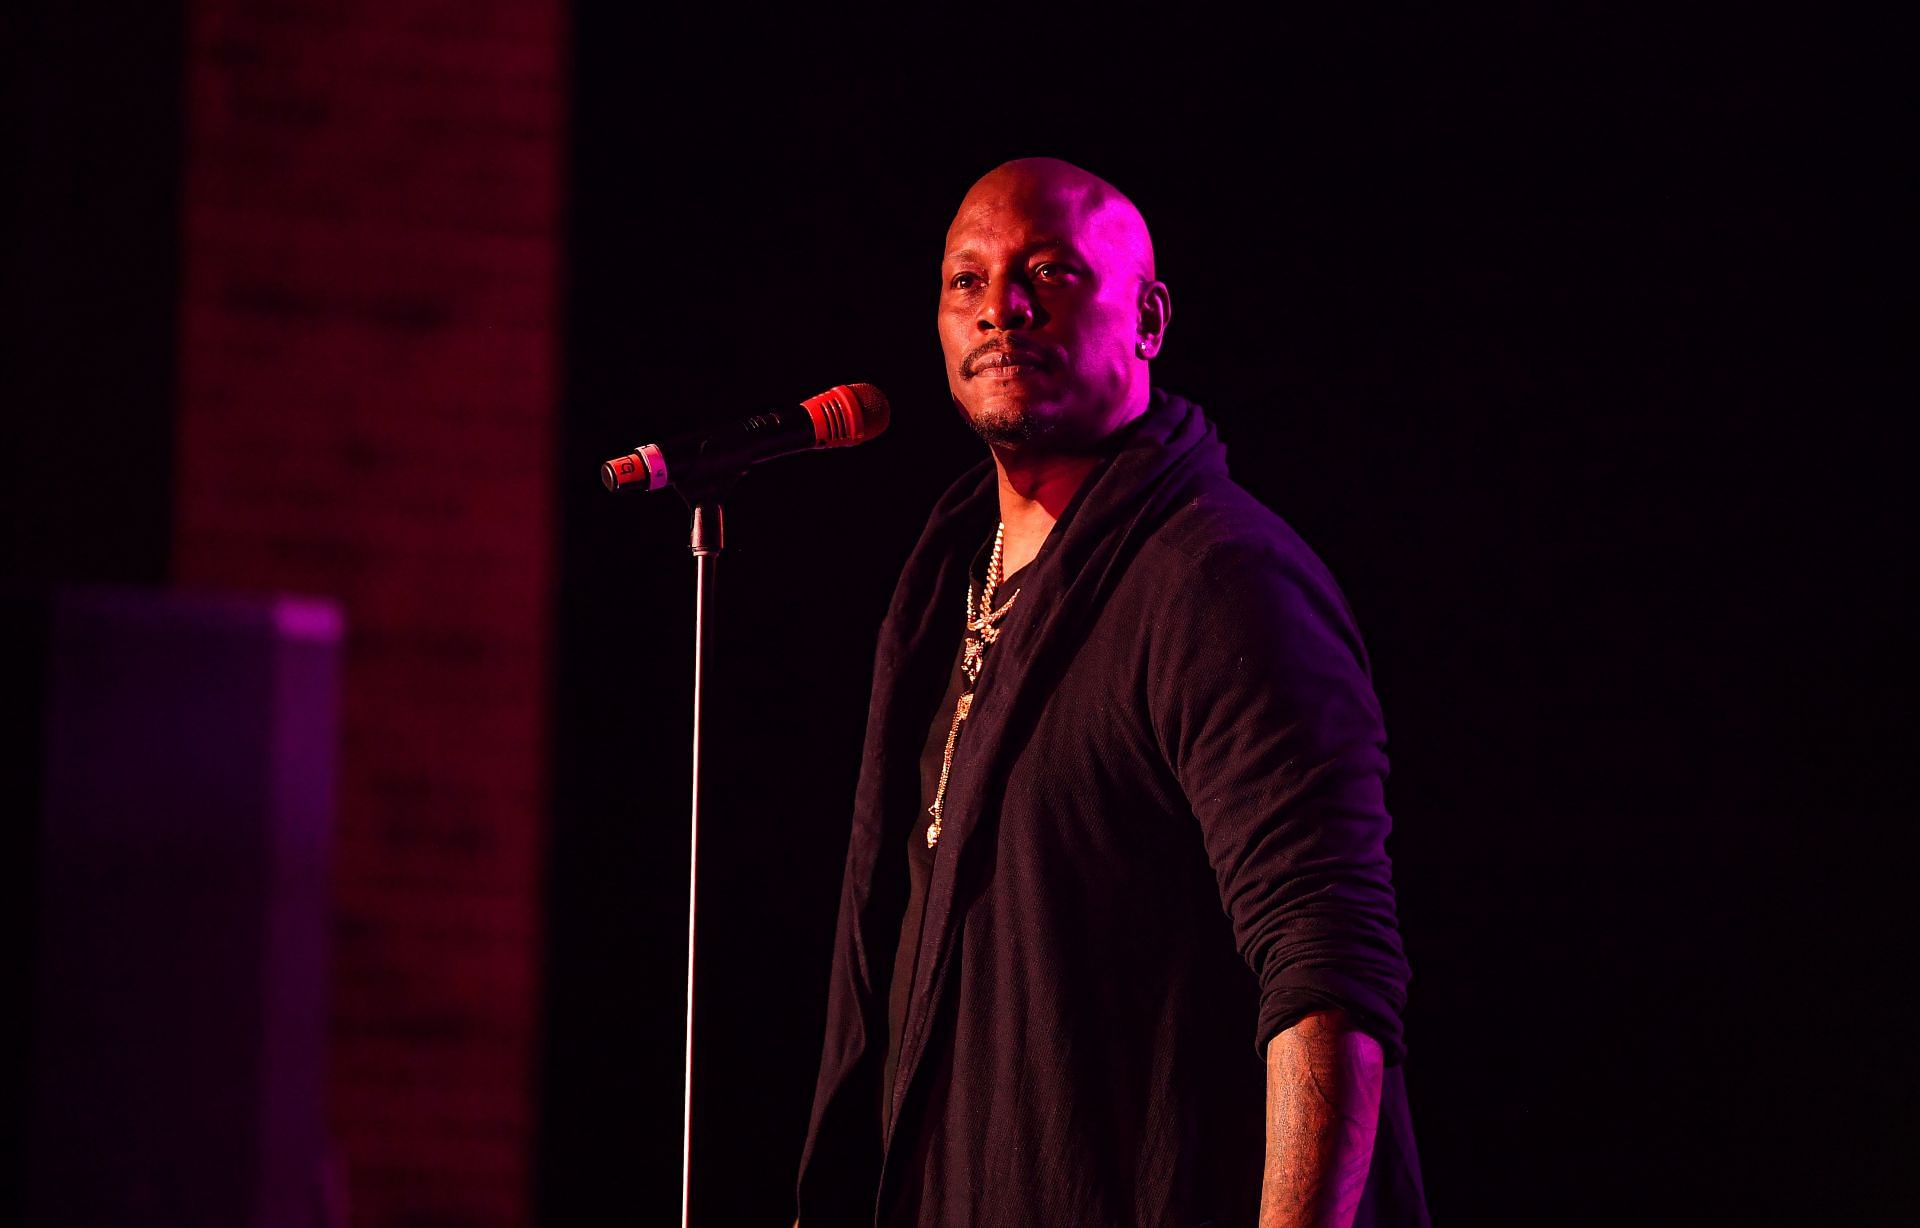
706, 539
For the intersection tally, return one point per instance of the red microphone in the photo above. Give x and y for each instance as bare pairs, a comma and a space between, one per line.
837, 418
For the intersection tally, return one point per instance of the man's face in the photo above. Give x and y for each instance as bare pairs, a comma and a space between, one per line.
1040, 311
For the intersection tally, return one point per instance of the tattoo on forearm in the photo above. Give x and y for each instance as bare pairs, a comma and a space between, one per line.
1323, 1103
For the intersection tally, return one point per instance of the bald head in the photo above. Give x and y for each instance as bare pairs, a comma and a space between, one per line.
1049, 307
1047, 181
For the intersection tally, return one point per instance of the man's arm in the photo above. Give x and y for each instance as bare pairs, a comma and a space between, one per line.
1323, 1102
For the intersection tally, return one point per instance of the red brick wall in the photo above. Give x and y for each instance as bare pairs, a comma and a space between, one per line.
367, 403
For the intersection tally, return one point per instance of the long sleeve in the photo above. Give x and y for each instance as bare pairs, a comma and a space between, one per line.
1261, 696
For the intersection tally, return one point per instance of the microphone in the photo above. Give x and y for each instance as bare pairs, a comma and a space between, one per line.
839, 417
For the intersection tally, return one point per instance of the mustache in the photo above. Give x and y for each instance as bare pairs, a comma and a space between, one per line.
992, 352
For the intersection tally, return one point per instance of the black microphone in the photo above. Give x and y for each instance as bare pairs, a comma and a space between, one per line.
839, 417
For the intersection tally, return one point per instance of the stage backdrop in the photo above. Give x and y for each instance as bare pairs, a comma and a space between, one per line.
1567, 342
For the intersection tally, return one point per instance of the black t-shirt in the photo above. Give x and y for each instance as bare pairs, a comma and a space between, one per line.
920, 856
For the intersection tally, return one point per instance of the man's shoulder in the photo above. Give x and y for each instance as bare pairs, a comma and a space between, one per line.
1220, 528
1227, 571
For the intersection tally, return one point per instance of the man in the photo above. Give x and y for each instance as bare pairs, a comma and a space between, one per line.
1120, 808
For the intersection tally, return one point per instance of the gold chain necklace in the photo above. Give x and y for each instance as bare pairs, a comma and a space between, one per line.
982, 630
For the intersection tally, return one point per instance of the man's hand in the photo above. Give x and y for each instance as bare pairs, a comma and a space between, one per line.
1323, 1102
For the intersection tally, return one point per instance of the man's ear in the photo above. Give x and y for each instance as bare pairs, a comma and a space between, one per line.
1156, 312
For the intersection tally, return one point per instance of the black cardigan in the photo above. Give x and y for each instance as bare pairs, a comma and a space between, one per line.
1164, 838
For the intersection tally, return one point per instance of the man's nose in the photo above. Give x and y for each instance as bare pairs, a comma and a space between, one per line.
1007, 305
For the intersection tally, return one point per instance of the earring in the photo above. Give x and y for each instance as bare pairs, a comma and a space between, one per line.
1141, 349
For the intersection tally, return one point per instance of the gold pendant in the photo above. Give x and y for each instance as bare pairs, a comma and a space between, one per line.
938, 808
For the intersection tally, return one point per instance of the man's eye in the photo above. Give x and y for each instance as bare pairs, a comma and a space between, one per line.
1052, 272
963, 281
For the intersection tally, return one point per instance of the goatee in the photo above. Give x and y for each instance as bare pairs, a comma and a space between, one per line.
1003, 425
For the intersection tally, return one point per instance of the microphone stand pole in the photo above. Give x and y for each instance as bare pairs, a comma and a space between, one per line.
707, 538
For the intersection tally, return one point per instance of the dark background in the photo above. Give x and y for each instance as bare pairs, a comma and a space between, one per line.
1550, 339
1566, 342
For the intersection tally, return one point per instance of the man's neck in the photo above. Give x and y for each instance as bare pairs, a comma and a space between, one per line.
1037, 485
1034, 490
